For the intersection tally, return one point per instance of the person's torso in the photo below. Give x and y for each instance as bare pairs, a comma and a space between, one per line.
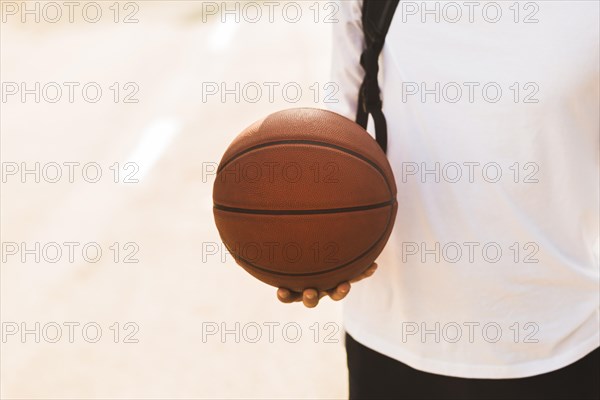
493, 139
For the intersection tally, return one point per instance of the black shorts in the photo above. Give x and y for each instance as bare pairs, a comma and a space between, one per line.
375, 376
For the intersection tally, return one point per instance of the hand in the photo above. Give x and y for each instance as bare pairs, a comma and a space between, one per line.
310, 297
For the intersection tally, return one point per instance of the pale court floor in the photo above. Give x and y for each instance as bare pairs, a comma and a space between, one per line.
181, 289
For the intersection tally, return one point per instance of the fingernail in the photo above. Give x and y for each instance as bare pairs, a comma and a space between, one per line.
310, 295
344, 289
284, 294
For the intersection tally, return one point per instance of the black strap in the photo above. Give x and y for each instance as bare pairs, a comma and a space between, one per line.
376, 19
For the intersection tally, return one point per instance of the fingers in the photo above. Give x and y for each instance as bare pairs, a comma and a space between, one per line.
310, 298
287, 296
367, 273
340, 291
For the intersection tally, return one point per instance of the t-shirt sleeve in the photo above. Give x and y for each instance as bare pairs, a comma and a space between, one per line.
347, 46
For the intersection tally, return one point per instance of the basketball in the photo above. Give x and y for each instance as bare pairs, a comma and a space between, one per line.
304, 198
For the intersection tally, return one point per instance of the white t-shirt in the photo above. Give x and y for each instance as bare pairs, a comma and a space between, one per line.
492, 270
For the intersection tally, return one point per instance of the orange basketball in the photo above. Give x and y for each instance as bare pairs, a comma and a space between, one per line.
304, 198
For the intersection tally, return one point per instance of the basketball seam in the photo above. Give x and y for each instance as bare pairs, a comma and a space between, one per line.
269, 271
303, 212
310, 142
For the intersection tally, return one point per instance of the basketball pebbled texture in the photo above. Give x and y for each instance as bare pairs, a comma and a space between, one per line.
304, 198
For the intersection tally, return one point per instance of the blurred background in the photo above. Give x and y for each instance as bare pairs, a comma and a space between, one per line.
114, 282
